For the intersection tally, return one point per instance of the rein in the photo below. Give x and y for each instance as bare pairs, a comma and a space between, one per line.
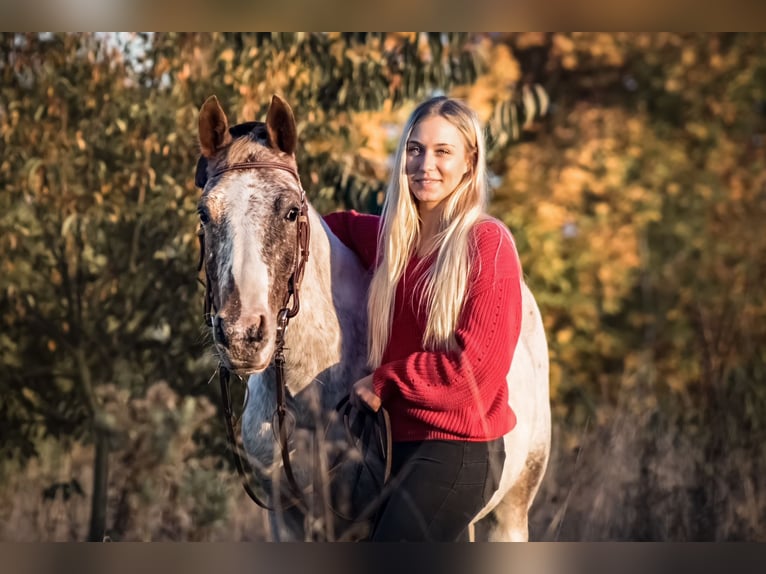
283, 318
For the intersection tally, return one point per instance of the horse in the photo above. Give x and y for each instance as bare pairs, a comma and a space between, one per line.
256, 222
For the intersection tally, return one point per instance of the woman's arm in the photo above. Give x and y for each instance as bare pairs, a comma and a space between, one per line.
358, 232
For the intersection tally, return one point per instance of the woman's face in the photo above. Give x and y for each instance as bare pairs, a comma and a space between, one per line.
437, 160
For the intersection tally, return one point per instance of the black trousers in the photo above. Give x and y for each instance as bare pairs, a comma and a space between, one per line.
436, 488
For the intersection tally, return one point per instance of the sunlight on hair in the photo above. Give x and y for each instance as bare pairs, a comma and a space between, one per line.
399, 235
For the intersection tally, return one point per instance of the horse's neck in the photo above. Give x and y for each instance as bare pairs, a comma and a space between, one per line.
326, 341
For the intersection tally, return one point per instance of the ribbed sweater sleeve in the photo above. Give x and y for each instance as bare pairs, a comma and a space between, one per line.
358, 232
473, 376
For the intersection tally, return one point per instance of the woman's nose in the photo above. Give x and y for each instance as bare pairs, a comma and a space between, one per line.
428, 161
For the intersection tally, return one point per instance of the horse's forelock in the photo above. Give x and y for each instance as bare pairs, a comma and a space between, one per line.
242, 135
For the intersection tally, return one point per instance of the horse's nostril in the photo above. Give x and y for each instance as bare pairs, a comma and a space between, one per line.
255, 332
219, 333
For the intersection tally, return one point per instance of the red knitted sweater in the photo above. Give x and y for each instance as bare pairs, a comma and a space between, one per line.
460, 395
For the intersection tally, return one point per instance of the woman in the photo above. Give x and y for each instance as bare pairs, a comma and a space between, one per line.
444, 318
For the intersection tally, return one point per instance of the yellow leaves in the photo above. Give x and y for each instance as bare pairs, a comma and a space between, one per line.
150, 144
521, 187
521, 169
564, 133
530, 39
152, 177
505, 67
571, 183
318, 147
563, 43
482, 96
636, 193
576, 48
80, 141
30, 395
569, 61
698, 129
673, 84
15, 117
703, 191
564, 336
184, 74
603, 209
550, 215
689, 56
606, 275
395, 39
36, 174
604, 49
678, 375
373, 136
68, 224
614, 163
636, 127
227, 55
673, 189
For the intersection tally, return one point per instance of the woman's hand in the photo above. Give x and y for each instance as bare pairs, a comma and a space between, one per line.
363, 395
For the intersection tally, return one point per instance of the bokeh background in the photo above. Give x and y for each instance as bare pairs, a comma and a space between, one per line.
629, 167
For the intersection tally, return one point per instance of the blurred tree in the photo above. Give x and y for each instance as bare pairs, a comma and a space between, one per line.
636, 209
637, 213
95, 283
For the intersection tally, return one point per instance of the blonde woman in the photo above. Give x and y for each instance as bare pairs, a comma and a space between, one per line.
444, 319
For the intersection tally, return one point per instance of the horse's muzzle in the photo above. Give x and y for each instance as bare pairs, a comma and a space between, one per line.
250, 333
242, 343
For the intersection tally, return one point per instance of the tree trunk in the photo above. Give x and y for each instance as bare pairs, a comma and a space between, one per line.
100, 476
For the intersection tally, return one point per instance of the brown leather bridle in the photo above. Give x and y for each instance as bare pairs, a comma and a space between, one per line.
286, 313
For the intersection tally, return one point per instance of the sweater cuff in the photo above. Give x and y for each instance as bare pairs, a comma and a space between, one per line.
381, 383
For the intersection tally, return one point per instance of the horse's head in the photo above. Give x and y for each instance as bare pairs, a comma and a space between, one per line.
249, 209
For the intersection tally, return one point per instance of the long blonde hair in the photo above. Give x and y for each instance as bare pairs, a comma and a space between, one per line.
444, 284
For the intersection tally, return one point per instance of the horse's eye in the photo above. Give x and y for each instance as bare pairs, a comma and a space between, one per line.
204, 216
292, 215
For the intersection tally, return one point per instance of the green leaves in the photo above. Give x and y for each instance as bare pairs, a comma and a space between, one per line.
636, 198
84, 213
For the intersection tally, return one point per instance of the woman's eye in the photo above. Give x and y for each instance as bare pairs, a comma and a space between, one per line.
414, 150
292, 215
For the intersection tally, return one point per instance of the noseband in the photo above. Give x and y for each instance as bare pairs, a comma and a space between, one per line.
286, 313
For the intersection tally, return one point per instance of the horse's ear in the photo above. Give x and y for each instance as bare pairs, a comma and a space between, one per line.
280, 124
213, 128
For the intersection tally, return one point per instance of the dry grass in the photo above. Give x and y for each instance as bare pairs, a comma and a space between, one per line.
632, 472
654, 474
161, 485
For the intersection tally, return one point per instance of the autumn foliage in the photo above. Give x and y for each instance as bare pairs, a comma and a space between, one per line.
635, 201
